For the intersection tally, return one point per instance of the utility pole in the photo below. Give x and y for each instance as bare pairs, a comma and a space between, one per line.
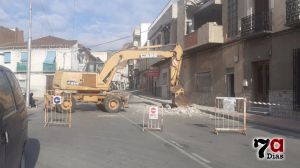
29, 56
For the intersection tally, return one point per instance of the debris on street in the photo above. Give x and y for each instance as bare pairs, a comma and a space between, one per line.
190, 111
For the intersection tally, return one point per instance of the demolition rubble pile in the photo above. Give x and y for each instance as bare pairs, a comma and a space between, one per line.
190, 111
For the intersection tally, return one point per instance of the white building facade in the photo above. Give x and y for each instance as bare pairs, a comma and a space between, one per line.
48, 55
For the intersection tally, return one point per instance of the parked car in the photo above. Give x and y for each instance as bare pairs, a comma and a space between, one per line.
13, 121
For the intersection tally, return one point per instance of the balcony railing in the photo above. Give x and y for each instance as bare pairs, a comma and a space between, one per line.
49, 68
257, 23
292, 12
207, 35
21, 66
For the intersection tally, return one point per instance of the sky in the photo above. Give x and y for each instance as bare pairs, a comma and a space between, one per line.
90, 22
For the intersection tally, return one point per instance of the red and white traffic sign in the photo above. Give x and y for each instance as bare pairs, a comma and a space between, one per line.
153, 113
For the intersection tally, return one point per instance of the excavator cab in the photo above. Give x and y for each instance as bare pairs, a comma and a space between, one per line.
95, 66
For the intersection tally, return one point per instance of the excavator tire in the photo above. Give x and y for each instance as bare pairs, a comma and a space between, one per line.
112, 104
59, 108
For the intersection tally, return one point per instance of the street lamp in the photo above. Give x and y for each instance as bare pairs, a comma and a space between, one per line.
29, 56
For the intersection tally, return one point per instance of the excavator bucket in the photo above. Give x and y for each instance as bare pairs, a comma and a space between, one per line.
181, 100
178, 97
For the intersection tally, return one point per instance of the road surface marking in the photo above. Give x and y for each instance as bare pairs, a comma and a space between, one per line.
177, 144
200, 157
171, 144
107, 115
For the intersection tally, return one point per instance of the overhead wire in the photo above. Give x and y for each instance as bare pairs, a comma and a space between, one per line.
121, 38
112, 41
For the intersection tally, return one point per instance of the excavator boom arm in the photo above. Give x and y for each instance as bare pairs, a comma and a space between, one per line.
109, 69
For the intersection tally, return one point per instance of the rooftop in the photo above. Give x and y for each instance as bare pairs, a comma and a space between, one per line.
43, 42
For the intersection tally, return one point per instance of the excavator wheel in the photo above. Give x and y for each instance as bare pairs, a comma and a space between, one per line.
112, 104
66, 105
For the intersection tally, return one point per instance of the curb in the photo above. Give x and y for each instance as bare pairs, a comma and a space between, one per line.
259, 123
248, 120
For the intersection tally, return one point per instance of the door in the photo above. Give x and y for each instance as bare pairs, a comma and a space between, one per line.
261, 14
261, 6
296, 79
261, 81
230, 82
21, 114
10, 123
2, 139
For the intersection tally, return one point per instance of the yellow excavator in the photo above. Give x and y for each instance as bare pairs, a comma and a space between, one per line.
93, 85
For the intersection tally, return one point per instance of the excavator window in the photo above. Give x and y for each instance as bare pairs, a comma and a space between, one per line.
93, 67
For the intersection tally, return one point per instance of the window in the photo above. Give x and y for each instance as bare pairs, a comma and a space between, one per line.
164, 78
203, 82
49, 63
7, 57
24, 56
50, 58
6, 98
99, 67
158, 40
232, 18
166, 31
189, 27
16, 91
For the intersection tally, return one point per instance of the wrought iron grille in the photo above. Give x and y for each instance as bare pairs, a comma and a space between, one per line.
258, 22
292, 12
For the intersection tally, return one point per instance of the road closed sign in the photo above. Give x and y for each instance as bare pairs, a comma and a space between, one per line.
56, 99
153, 113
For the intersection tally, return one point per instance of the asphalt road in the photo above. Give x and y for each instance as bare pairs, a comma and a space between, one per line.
98, 139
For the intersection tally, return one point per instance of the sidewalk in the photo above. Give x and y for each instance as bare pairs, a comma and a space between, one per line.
269, 121
150, 97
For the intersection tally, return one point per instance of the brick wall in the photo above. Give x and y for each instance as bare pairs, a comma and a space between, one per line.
190, 40
10, 36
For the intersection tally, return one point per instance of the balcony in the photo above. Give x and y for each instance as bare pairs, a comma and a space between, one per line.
196, 6
49, 68
257, 24
21, 66
209, 34
292, 13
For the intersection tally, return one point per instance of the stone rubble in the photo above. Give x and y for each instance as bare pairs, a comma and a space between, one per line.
190, 111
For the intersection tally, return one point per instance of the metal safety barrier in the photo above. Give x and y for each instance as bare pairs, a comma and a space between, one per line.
153, 118
274, 109
230, 114
57, 109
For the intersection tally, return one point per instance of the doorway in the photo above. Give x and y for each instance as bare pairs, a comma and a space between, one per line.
261, 6
230, 82
261, 11
261, 81
296, 79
